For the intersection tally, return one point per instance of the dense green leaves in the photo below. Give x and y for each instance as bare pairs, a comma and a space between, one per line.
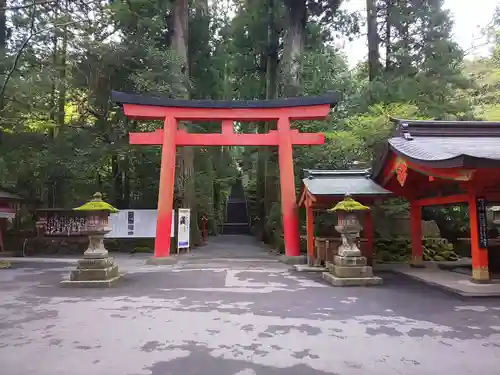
62, 139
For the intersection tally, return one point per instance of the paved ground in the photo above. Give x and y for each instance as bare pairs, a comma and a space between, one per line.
248, 316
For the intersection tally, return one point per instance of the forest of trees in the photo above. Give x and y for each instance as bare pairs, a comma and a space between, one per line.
61, 139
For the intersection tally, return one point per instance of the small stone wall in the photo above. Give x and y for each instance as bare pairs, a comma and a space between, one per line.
77, 245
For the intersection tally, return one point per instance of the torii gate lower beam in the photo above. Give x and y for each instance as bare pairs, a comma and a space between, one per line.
172, 111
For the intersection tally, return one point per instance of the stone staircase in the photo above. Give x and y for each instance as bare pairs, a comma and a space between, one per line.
236, 220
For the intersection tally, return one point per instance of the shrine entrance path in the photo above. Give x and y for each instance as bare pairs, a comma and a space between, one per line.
231, 309
236, 248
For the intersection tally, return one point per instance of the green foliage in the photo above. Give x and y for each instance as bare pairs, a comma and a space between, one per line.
399, 250
61, 139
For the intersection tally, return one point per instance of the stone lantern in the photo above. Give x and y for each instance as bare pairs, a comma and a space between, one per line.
349, 266
496, 216
96, 269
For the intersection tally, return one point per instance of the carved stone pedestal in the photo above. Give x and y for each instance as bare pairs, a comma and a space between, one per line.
350, 271
96, 269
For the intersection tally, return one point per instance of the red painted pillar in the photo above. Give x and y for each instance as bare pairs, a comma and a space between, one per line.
480, 271
417, 259
287, 183
166, 194
310, 232
368, 231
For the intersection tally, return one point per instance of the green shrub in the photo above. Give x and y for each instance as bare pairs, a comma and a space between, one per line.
399, 250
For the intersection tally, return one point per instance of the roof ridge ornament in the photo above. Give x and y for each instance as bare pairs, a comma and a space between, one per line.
405, 129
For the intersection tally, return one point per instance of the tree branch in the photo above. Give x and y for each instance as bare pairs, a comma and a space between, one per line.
26, 6
23, 46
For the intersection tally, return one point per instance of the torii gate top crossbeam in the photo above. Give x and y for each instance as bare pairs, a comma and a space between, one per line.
158, 108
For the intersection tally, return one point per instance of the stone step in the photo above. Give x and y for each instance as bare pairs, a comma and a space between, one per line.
352, 271
349, 261
351, 281
93, 274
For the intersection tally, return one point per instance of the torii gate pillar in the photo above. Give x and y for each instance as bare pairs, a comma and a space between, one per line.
172, 111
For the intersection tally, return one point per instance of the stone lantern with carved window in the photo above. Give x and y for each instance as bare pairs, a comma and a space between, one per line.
96, 269
349, 267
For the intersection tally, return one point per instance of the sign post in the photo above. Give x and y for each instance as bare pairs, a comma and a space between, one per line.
482, 223
183, 229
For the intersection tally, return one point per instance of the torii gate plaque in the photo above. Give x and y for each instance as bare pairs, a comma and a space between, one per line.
172, 111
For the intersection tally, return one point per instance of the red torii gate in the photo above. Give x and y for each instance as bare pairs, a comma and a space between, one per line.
172, 111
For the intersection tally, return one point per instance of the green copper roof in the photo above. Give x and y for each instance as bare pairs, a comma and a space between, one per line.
341, 182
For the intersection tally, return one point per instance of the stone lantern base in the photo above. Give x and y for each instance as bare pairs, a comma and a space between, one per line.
95, 270
350, 271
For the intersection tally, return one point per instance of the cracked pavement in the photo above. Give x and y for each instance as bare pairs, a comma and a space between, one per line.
229, 308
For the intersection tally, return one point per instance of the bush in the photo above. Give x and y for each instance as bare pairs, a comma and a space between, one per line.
399, 250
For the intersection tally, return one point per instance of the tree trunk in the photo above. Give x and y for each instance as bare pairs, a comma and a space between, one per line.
388, 32
373, 40
186, 163
117, 182
293, 47
3, 45
52, 178
61, 99
271, 183
404, 34
3, 35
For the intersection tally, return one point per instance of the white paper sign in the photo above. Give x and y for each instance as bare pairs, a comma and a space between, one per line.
135, 224
7, 215
183, 228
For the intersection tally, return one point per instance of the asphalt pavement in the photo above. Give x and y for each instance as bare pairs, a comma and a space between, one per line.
230, 308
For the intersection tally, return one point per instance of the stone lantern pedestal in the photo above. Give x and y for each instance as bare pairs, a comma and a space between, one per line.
349, 266
96, 269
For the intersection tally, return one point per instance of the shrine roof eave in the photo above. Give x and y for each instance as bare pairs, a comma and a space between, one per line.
330, 98
337, 183
443, 144
7, 194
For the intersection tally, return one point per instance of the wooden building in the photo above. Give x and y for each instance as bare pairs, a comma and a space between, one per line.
322, 189
444, 163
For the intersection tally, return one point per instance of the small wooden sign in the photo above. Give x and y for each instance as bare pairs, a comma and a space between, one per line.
482, 222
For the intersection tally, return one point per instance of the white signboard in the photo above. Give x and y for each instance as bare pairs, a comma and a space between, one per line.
135, 224
7, 215
183, 228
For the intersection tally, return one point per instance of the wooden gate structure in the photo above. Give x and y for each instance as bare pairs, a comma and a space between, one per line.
172, 111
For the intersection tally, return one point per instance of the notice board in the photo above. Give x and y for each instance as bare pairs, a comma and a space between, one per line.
135, 224
482, 223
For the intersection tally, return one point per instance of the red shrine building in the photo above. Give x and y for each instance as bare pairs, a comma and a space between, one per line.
444, 163
321, 190
9, 204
